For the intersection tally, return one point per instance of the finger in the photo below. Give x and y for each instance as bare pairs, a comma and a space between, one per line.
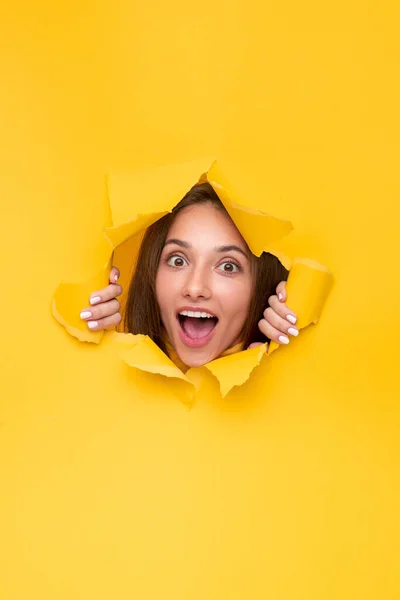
106, 309
107, 323
114, 275
108, 293
281, 291
255, 345
278, 323
282, 310
272, 333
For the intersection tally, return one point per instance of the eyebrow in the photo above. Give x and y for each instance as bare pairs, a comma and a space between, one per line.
177, 242
230, 248
226, 248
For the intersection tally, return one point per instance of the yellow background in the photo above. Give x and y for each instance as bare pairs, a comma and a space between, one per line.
289, 488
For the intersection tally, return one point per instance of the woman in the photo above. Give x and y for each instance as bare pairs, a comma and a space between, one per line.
197, 291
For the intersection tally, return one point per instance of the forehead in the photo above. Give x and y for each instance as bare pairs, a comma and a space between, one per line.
206, 222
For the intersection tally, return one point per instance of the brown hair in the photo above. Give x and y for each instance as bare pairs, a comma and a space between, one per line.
142, 314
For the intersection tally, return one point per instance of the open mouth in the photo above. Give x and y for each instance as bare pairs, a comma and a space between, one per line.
196, 328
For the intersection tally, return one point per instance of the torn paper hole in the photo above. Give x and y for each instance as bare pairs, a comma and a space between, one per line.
137, 200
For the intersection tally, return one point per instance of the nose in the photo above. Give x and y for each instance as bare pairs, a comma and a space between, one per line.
197, 285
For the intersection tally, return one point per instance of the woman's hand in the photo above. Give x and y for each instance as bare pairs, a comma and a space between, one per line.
278, 322
104, 310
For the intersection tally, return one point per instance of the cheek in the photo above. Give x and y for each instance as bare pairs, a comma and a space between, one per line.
236, 296
164, 288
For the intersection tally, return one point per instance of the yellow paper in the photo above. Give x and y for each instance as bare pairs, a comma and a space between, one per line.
156, 191
308, 286
140, 352
234, 370
70, 298
259, 229
288, 488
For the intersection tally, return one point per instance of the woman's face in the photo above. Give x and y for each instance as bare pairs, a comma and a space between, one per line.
204, 284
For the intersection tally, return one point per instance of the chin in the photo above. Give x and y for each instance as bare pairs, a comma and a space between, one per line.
195, 359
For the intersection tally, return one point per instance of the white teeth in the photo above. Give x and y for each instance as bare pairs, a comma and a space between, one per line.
197, 314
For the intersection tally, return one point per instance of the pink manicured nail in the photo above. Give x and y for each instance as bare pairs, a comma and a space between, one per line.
283, 339
280, 296
95, 300
92, 324
293, 331
115, 277
291, 318
85, 314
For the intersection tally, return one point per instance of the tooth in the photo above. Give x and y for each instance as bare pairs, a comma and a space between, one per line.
197, 314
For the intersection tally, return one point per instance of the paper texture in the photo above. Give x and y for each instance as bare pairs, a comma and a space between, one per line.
139, 199
307, 287
140, 352
234, 370
68, 300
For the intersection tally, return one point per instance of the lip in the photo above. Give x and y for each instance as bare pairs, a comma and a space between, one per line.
186, 340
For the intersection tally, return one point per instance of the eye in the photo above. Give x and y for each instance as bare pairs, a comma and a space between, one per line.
229, 267
176, 261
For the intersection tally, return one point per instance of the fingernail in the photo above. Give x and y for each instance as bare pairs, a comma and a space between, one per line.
283, 339
280, 296
115, 277
291, 318
85, 314
293, 331
95, 300
92, 324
